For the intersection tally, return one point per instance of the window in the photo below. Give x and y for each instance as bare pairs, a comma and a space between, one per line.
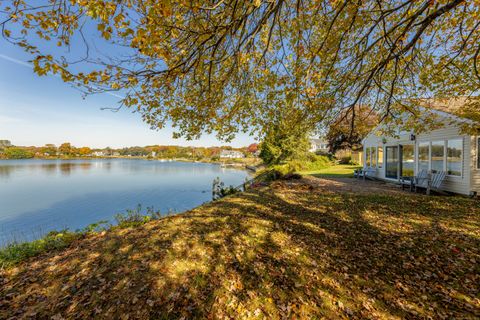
478, 153
454, 157
408, 160
423, 155
438, 154
380, 157
367, 157
374, 156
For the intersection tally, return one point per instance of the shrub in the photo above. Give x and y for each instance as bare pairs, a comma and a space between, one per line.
311, 163
219, 190
135, 217
292, 176
16, 252
345, 160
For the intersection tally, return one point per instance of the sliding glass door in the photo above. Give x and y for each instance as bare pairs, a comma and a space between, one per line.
392, 163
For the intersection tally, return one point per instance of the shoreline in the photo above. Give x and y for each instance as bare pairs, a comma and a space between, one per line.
228, 162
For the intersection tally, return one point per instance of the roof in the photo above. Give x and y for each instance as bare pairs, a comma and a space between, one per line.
461, 106
318, 141
461, 110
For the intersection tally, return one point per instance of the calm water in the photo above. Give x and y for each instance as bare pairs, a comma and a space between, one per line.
37, 196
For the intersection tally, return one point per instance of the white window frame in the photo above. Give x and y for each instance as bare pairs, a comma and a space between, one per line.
444, 154
477, 142
368, 156
462, 161
429, 155
383, 151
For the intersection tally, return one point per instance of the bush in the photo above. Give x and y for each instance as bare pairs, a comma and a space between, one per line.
345, 160
312, 162
134, 217
274, 173
292, 176
219, 190
17, 252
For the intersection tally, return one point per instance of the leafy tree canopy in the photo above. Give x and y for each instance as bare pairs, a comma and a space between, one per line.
284, 141
227, 65
347, 133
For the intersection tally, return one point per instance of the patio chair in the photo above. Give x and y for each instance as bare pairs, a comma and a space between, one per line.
433, 181
364, 173
407, 181
436, 181
412, 182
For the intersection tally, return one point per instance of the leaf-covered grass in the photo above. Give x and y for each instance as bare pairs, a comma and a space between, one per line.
297, 249
336, 171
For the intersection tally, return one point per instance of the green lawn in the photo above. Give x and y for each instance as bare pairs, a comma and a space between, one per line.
337, 171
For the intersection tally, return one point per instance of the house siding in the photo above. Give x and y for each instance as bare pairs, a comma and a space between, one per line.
470, 179
475, 172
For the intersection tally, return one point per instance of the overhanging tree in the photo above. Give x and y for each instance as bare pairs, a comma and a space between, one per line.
228, 65
343, 135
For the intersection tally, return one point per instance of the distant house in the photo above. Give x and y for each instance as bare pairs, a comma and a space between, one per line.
445, 148
98, 153
231, 154
318, 145
5, 143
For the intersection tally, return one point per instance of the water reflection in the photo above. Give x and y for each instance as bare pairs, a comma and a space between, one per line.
48, 167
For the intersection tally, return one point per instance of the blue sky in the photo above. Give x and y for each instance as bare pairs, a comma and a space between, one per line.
39, 110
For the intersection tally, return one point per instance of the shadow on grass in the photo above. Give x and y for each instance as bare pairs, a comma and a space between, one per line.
281, 252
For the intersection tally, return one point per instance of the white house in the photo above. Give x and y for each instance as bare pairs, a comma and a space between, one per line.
5, 143
231, 154
444, 148
318, 145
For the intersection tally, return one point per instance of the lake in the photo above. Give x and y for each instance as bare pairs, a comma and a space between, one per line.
37, 196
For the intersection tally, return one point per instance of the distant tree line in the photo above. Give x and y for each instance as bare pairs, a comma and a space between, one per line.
67, 150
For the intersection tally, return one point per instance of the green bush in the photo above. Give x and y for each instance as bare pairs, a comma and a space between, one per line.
312, 162
16, 252
219, 190
345, 160
134, 217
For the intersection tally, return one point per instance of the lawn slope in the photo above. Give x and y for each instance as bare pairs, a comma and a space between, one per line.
308, 249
